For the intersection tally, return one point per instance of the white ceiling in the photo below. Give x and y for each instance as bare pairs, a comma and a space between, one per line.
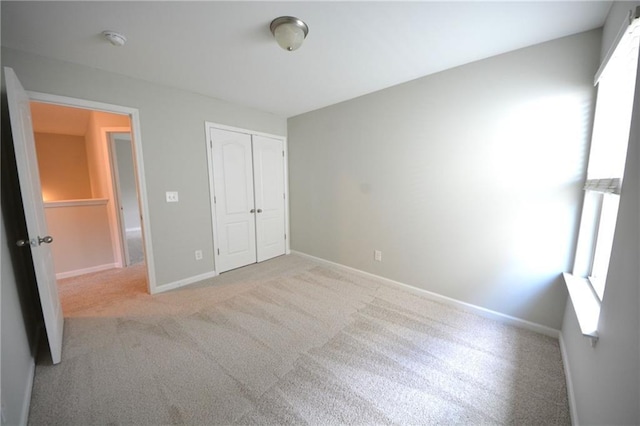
225, 50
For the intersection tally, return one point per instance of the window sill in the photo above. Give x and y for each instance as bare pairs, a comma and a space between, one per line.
585, 303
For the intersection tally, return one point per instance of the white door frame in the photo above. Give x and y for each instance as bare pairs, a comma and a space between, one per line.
209, 125
134, 116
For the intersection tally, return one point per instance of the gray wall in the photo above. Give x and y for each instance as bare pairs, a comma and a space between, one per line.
17, 359
606, 378
468, 181
174, 150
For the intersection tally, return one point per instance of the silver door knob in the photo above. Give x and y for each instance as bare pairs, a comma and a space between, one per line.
259, 210
252, 211
48, 239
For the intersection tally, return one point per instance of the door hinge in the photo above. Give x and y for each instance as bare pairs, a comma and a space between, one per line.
211, 144
283, 153
284, 197
214, 200
218, 252
285, 236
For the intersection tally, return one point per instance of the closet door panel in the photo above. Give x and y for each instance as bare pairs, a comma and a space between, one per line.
268, 168
234, 201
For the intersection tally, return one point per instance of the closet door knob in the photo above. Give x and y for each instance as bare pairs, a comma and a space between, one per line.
252, 211
259, 210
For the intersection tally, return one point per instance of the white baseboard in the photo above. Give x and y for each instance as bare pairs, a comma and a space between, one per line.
567, 374
487, 313
69, 274
181, 283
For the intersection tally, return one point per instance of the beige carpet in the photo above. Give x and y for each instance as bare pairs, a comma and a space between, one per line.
292, 341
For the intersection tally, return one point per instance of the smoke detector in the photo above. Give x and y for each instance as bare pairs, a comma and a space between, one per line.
114, 38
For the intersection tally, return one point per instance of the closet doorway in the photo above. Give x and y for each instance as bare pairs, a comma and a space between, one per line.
249, 196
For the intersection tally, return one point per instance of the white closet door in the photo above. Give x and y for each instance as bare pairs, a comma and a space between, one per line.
268, 176
234, 202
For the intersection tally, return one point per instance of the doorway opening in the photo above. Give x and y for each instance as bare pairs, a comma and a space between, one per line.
126, 196
90, 182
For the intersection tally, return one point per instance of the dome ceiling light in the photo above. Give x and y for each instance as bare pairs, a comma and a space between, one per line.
289, 32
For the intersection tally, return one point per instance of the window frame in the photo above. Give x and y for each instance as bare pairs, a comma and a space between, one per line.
607, 156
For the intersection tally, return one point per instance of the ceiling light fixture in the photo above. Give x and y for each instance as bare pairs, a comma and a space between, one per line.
114, 38
289, 32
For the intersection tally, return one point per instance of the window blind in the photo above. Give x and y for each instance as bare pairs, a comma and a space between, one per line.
608, 186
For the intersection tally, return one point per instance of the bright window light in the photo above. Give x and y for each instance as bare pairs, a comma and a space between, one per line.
604, 243
610, 139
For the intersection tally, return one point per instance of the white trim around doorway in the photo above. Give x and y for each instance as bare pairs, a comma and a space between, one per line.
136, 134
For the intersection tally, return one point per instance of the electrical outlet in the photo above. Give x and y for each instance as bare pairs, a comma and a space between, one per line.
198, 254
377, 255
172, 196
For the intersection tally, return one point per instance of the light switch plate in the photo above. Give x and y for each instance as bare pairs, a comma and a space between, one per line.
172, 196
